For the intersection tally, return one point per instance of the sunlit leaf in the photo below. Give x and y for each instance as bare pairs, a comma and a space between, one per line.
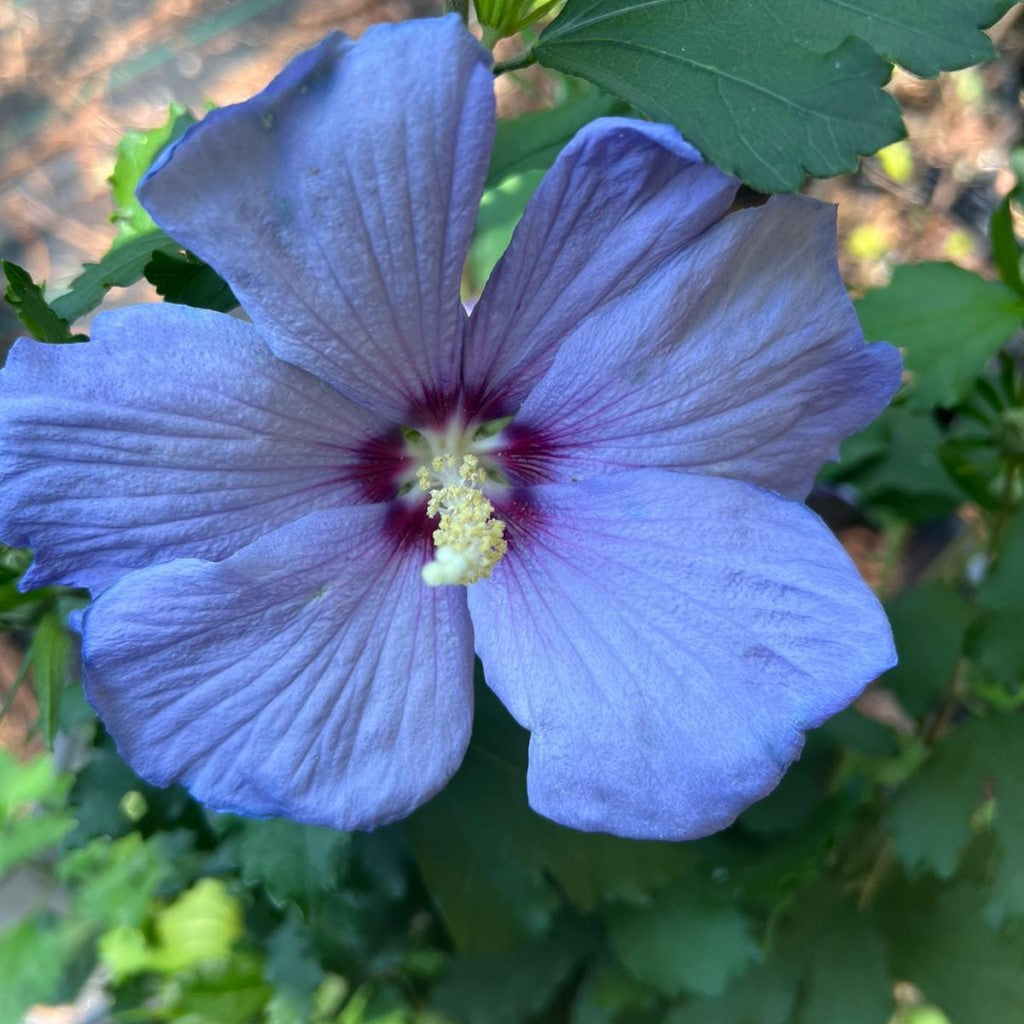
949, 322
135, 152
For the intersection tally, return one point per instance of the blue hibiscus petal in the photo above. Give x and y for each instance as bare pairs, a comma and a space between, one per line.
339, 204
621, 198
175, 431
741, 357
310, 674
666, 638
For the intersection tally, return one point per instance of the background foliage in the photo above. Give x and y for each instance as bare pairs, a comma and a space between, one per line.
883, 880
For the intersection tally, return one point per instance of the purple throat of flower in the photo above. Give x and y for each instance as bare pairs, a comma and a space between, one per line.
462, 483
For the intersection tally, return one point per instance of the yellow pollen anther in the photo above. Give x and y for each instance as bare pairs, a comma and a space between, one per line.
469, 541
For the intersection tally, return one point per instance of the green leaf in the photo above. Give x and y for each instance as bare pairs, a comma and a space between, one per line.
828, 965
929, 623
949, 323
469, 842
768, 92
26, 298
930, 821
233, 992
489, 860
180, 277
531, 142
688, 938
114, 881
121, 266
293, 969
32, 953
135, 153
291, 861
939, 942
199, 929
32, 783
51, 656
98, 798
846, 980
500, 210
605, 991
737, 80
972, 459
764, 996
1005, 249
32, 815
908, 476
998, 641
202, 924
511, 988
948, 38
1005, 743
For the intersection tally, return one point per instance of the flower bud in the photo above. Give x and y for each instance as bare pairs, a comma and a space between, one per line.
501, 18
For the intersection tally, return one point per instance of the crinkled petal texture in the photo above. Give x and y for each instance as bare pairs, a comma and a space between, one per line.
174, 432
339, 204
741, 357
666, 638
621, 198
310, 675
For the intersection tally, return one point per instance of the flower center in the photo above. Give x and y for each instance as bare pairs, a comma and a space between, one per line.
469, 541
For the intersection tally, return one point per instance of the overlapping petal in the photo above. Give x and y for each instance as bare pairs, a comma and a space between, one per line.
311, 674
173, 432
622, 197
339, 204
742, 357
666, 638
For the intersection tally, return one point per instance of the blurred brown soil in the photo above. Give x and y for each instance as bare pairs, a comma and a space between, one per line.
17, 725
76, 74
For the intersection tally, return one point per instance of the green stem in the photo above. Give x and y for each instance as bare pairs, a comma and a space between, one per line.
459, 7
523, 60
1006, 508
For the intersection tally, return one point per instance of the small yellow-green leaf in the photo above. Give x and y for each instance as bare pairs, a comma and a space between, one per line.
201, 925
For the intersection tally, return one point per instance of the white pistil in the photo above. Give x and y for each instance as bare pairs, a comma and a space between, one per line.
469, 541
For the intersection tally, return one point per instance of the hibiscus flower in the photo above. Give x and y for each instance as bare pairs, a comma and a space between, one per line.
298, 530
